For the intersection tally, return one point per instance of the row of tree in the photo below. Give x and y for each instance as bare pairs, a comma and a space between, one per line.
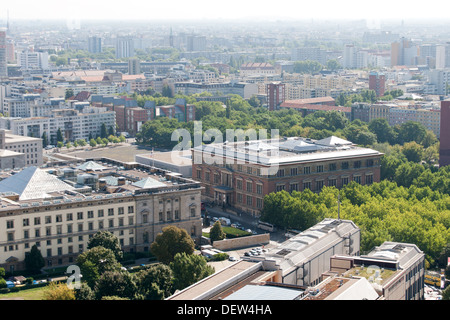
104, 277
384, 211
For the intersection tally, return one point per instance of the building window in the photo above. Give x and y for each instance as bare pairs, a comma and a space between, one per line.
100, 213
332, 182
79, 215
319, 185
259, 203
249, 201
37, 221
160, 216
369, 178
332, 167
344, 165
249, 186
357, 164
259, 189
357, 179
369, 162
344, 181
293, 187
130, 209
294, 171
69, 217
10, 224
307, 185
90, 214
110, 211
59, 218
306, 170
48, 219
121, 210
26, 222
239, 197
192, 212
239, 184
280, 173
319, 168
280, 187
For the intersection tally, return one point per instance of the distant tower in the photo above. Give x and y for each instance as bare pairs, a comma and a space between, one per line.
444, 149
134, 66
95, 44
377, 83
171, 38
3, 55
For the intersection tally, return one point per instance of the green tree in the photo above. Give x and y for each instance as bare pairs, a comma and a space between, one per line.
103, 131
411, 131
34, 260
92, 143
106, 240
381, 128
155, 282
59, 136
216, 232
188, 269
96, 261
171, 241
413, 151
69, 93
116, 283
44, 139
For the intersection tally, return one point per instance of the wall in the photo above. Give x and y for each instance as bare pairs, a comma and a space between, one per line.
229, 244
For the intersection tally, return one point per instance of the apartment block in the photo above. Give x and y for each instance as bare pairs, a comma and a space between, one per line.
18, 151
74, 124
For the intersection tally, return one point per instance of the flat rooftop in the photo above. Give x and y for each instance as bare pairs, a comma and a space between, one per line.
87, 181
286, 150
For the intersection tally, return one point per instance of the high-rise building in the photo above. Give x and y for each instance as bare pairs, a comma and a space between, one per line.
377, 83
95, 44
124, 47
444, 149
403, 53
134, 66
32, 60
196, 43
276, 95
3, 59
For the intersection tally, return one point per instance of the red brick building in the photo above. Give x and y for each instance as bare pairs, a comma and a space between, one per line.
444, 149
240, 174
377, 82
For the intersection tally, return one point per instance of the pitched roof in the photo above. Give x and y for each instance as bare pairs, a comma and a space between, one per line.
91, 165
148, 183
333, 141
33, 183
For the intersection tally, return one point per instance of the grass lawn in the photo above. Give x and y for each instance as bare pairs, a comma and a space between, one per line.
231, 231
29, 294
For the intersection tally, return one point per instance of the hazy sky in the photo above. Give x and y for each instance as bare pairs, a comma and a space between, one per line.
226, 9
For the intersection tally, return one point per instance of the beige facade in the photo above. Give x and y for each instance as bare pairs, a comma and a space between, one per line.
28, 150
62, 223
